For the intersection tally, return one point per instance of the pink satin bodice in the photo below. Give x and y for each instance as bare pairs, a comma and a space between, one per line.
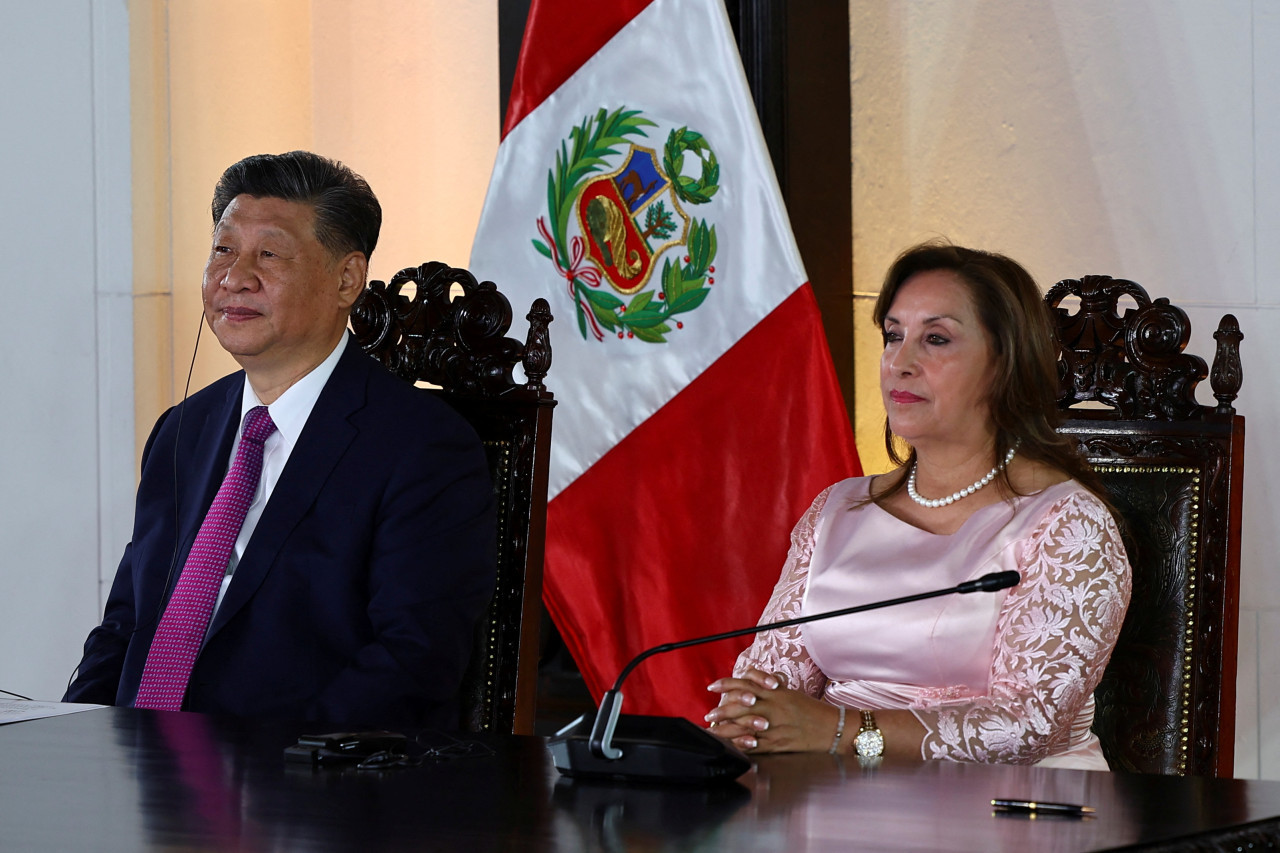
1006, 676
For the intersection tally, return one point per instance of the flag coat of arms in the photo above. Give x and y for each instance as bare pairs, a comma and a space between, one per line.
698, 410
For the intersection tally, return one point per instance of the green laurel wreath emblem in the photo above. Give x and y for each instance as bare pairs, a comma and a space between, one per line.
692, 190
682, 286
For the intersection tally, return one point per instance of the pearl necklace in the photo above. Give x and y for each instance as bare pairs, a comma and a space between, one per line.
963, 493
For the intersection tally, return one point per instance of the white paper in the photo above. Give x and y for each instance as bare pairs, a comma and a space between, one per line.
17, 710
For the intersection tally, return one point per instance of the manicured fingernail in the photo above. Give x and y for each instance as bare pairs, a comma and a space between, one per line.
749, 742
771, 682
760, 725
749, 699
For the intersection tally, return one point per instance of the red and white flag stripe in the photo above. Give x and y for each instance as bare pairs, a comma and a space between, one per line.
698, 410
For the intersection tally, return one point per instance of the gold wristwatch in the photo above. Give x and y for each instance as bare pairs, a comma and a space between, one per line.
869, 742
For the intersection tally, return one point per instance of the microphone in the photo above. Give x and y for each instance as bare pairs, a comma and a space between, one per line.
629, 747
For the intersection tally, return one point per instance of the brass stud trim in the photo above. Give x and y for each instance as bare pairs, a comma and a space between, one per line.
1184, 699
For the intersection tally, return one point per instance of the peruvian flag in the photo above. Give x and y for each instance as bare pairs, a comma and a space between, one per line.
698, 411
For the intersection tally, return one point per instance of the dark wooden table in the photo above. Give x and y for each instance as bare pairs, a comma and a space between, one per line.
121, 779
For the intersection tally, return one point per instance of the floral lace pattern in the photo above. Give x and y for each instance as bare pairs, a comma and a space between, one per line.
1054, 635
782, 651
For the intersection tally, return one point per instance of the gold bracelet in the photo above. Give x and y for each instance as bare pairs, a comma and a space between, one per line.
835, 744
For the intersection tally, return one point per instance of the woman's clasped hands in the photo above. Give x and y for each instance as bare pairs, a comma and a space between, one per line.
757, 712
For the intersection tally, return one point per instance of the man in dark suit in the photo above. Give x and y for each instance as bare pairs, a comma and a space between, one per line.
367, 553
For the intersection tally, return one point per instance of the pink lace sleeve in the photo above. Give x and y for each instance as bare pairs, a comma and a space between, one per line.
782, 651
1054, 636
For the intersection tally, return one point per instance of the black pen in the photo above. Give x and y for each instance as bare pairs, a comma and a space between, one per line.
1035, 807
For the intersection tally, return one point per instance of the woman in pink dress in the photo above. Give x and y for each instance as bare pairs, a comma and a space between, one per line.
968, 378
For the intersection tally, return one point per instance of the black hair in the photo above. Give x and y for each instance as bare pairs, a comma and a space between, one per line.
348, 216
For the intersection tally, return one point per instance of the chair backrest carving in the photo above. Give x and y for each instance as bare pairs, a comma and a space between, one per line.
1174, 470
450, 332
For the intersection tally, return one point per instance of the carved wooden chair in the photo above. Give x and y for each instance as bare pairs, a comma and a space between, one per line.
456, 342
1174, 469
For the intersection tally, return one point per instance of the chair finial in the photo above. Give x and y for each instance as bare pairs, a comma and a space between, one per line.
1227, 374
537, 348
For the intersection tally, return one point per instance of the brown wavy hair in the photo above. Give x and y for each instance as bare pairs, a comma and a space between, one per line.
1022, 396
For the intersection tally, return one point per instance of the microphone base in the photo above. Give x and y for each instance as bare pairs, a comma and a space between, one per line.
654, 749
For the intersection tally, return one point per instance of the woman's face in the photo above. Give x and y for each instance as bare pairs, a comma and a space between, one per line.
937, 364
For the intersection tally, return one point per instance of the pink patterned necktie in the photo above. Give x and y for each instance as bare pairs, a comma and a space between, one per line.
186, 618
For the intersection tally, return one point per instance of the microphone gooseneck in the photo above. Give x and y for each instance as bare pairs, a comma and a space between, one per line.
990, 582
987, 583
664, 746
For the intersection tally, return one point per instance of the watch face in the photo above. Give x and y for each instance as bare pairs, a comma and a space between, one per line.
869, 743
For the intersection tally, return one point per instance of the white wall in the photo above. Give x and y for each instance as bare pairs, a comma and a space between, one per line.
1134, 138
66, 427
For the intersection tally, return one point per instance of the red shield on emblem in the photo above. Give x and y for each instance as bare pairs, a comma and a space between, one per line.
614, 241
607, 211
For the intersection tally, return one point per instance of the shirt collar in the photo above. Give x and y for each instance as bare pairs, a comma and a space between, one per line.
292, 408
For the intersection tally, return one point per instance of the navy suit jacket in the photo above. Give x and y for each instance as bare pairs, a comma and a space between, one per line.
356, 598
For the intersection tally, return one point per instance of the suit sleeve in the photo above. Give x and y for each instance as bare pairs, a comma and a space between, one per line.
97, 678
430, 575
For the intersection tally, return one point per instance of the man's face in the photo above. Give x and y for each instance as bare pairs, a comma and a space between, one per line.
276, 298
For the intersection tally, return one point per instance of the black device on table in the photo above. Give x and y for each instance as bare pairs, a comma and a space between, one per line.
345, 747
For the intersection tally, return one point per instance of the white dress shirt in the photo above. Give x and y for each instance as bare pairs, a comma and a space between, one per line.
289, 413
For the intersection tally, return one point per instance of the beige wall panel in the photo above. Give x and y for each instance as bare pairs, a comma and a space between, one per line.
239, 84
152, 195
406, 94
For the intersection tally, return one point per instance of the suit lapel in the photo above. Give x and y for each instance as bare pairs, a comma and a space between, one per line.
324, 439
206, 441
